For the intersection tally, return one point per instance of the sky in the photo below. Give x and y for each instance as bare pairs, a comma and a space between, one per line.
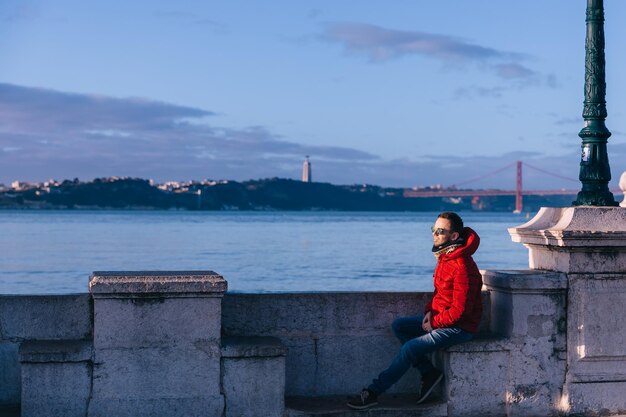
406, 93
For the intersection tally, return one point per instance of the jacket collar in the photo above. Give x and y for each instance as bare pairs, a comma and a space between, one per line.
468, 249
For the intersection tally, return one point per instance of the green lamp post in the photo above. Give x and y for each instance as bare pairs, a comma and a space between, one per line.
595, 172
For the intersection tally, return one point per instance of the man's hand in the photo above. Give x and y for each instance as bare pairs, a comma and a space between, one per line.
426, 322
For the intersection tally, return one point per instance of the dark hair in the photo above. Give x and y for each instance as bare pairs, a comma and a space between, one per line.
456, 222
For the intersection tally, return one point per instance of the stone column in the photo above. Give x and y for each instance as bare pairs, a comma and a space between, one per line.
156, 343
588, 244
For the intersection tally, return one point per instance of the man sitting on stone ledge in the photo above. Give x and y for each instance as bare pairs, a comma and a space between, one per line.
451, 317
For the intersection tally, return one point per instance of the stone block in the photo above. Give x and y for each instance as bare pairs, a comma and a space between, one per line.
575, 239
251, 347
578, 260
55, 389
597, 328
167, 372
114, 284
300, 366
60, 351
156, 340
45, 317
151, 322
317, 314
56, 378
253, 377
254, 387
189, 406
10, 374
476, 378
535, 379
527, 303
595, 398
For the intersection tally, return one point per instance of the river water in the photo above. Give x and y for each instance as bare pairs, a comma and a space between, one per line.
51, 252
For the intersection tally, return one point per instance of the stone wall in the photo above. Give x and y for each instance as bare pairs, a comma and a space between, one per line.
337, 341
45, 317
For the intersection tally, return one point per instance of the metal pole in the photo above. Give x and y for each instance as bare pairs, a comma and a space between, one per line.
595, 172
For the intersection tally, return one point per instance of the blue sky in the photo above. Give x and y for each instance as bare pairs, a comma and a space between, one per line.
403, 93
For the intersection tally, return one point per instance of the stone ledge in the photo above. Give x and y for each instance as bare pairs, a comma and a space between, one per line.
525, 280
60, 351
389, 405
251, 347
112, 284
574, 226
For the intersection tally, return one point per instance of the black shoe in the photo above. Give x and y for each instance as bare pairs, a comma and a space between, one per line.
365, 400
429, 382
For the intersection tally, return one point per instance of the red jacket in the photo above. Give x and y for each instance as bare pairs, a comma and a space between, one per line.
457, 301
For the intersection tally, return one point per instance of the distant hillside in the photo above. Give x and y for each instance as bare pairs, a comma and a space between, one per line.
267, 194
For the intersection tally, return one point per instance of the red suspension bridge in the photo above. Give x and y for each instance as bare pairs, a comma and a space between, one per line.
452, 191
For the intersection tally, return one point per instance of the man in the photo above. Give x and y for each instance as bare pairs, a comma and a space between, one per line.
451, 317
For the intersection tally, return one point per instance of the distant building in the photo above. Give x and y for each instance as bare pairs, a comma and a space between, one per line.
23, 186
307, 175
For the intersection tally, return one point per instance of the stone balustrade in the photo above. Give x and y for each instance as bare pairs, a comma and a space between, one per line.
173, 343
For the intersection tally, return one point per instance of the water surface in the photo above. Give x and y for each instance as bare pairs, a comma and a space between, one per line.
48, 252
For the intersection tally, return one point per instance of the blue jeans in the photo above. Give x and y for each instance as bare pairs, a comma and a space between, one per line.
416, 343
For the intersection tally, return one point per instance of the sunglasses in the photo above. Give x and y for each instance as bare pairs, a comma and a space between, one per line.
438, 231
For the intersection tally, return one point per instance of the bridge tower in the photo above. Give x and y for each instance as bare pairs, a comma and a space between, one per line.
518, 189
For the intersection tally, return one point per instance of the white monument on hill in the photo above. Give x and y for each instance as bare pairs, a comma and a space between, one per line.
306, 170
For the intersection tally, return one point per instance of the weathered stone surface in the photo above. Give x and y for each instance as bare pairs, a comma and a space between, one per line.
209, 405
10, 373
595, 399
475, 380
55, 389
317, 313
138, 322
47, 351
577, 260
338, 342
254, 386
567, 226
396, 405
157, 372
250, 347
174, 283
157, 343
525, 281
45, 317
597, 328
575, 239
589, 244
528, 303
528, 308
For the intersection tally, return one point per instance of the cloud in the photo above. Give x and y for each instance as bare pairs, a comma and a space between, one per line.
513, 71
54, 111
380, 44
52, 134
57, 134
